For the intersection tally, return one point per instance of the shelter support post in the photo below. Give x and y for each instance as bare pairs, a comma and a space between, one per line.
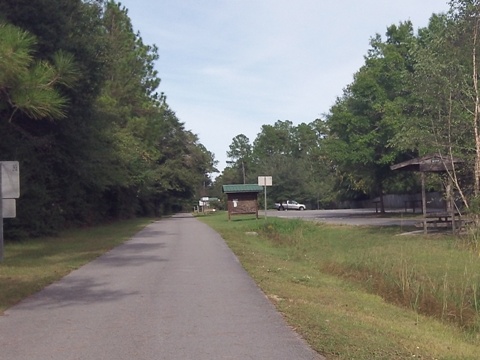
424, 203
450, 204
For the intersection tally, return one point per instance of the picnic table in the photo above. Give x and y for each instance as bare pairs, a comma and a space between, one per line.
440, 219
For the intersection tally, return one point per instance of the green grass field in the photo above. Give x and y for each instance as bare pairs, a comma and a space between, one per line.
362, 292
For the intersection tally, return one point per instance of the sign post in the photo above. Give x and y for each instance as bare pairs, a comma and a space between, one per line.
9, 190
1, 213
265, 181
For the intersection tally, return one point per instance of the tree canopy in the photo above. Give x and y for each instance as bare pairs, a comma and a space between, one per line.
80, 110
417, 93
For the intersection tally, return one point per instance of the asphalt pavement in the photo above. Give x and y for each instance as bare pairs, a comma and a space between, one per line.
174, 291
357, 217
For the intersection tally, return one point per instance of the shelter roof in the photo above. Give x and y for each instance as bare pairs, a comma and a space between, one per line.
242, 188
428, 163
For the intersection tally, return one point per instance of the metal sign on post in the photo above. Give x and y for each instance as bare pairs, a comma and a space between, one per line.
9, 191
265, 181
9, 208
10, 180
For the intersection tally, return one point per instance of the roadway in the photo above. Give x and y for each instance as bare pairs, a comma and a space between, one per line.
174, 291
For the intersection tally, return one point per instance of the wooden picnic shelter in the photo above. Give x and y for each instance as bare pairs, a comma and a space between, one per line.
434, 163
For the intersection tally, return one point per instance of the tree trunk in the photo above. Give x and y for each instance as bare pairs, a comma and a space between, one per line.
477, 109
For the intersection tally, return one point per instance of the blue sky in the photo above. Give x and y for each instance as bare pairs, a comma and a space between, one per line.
230, 66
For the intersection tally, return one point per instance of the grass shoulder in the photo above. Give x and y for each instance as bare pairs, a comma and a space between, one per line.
32, 264
363, 292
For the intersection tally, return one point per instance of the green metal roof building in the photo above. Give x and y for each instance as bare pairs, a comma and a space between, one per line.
242, 198
242, 188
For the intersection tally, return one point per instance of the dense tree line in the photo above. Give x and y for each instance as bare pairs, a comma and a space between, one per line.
292, 155
416, 94
80, 111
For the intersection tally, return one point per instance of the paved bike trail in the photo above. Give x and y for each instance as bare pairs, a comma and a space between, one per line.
174, 291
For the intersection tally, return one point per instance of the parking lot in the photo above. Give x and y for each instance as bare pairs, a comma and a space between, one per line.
360, 217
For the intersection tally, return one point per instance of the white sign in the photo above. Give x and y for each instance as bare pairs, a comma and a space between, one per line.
9, 208
265, 180
10, 179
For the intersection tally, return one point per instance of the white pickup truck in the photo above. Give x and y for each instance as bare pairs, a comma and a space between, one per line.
290, 205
